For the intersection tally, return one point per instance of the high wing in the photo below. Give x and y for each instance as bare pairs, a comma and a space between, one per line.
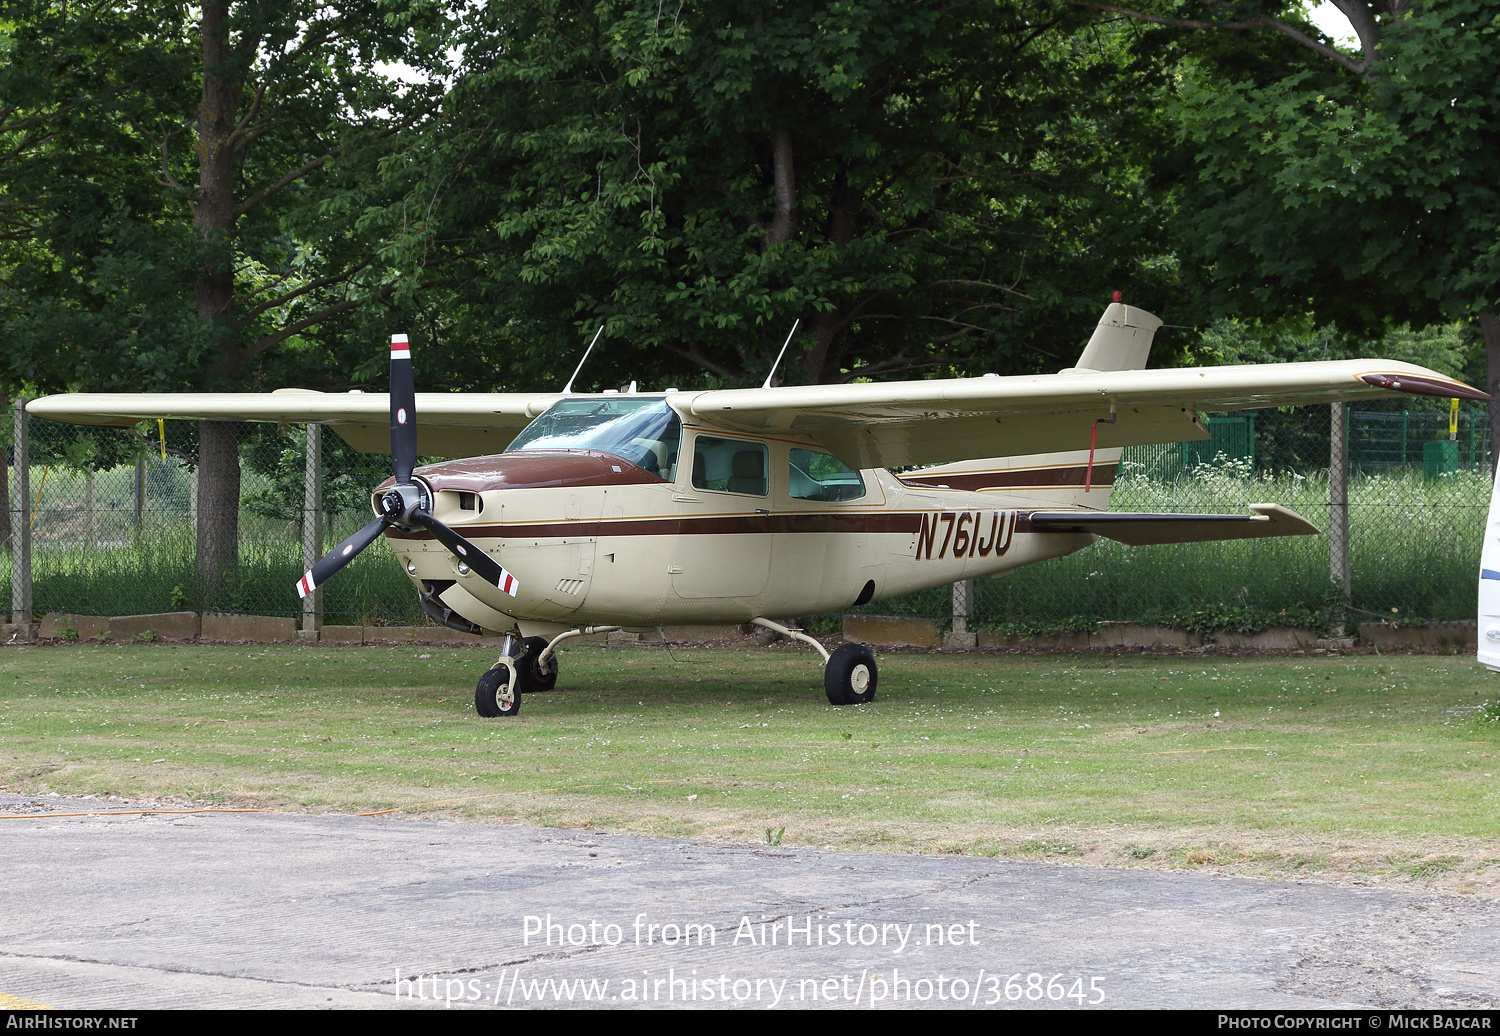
888, 424
449, 424
869, 425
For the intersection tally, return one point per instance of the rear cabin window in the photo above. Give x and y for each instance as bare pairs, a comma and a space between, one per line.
729, 465
822, 476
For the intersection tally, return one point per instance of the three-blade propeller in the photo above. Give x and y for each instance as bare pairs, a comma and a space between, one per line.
407, 504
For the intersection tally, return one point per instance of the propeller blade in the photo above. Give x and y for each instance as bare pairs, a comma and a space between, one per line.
340, 556
403, 411
478, 561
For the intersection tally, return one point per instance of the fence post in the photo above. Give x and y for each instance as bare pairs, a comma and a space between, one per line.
20, 530
960, 638
312, 528
1338, 501
5, 492
140, 489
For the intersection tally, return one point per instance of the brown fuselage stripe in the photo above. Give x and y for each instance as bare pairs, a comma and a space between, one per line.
1030, 478
726, 525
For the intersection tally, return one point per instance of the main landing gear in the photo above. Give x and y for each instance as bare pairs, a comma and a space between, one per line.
849, 674
525, 666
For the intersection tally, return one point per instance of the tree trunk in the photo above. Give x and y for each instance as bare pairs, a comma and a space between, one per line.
1489, 326
218, 500
784, 223
214, 219
820, 364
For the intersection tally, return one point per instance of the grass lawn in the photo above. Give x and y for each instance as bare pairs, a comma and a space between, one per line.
1356, 768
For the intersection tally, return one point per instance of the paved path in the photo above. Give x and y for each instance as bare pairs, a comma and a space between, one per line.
286, 910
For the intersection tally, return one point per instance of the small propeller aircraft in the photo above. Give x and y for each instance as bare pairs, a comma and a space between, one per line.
587, 512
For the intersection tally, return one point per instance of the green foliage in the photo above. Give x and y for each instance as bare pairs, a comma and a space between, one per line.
963, 181
115, 231
1041, 627
1367, 200
279, 458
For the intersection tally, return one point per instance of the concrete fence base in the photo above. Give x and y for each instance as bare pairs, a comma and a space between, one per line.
883, 631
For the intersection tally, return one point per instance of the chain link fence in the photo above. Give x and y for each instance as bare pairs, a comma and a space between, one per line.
1417, 501
112, 517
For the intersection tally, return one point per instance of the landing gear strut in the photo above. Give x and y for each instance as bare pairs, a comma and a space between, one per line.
849, 674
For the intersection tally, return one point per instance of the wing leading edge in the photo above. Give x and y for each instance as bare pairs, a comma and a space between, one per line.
449, 424
888, 424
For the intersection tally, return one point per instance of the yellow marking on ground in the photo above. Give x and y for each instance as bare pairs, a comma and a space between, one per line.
11, 1002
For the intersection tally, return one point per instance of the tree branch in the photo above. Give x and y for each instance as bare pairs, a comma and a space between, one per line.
1260, 21
692, 355
323, 314
984, 284
314, 286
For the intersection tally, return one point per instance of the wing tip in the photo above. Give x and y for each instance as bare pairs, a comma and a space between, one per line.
1422, 385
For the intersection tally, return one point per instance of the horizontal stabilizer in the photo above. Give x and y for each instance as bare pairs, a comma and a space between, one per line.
1141, 530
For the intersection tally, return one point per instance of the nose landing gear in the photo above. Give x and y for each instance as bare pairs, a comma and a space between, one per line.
525, 666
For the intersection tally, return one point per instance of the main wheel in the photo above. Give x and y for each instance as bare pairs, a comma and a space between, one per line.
849, 677
536, 677
488, 694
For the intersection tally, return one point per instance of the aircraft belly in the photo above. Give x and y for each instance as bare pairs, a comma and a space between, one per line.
815, 572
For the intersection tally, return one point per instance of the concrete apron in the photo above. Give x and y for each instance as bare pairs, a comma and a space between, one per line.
162, 910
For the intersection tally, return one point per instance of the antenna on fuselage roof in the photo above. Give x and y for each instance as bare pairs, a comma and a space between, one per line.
569, 386
782, 353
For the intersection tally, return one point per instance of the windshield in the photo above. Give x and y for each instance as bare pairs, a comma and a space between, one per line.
645, 432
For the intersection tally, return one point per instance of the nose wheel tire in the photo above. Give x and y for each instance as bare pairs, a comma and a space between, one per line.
536, 677
491, 693
850, 675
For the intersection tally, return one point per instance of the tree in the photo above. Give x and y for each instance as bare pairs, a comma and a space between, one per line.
167, 172
923, 186
1360, 189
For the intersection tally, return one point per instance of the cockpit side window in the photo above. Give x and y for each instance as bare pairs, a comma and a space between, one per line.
730, 465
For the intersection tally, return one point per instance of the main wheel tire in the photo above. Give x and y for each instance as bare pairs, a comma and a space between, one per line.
850, 676
535, 677
487, 694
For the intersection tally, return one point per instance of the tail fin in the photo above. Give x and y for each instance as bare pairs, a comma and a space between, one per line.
1122, 341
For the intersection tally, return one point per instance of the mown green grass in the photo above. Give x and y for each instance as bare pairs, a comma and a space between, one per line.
1345, 763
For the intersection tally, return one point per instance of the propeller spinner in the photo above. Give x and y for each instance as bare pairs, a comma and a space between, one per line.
406, 504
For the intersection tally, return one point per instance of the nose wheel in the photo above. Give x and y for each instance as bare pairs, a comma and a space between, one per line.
496, 693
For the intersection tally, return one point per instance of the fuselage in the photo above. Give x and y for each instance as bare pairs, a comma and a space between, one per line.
713, 526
